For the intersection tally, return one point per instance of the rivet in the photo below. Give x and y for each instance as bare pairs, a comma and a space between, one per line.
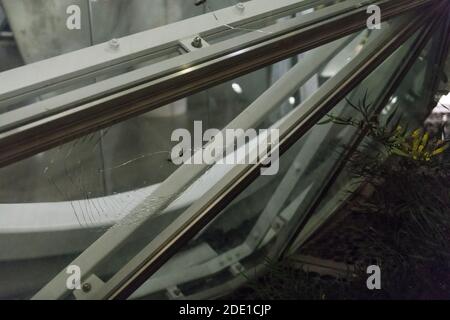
114, 43
86, 287
197, 42
240, 6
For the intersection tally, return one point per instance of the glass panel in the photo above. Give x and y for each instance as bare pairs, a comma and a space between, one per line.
411, 100
104, 24
69, 25
246, 233
54, 205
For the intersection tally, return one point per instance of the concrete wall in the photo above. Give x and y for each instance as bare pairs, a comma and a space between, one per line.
40, 25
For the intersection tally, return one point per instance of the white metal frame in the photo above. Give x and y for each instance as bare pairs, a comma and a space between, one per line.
33, 80
103, 58
69, 115
252, 116
175, 184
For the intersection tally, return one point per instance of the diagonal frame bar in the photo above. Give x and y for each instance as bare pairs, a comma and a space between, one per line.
74, 114
139, 268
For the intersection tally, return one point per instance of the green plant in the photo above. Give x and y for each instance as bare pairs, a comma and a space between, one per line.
389, 136
406, 218
417, 145
409, 207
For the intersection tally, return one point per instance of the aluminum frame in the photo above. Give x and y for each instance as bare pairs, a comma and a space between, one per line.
361, 71
251, 117
118, 285
71, 115
303, 231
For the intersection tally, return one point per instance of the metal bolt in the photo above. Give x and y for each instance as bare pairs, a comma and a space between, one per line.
86, 287
240, 6
114, 43
197, 42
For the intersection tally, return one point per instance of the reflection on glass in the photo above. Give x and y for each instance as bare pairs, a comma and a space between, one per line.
62, 200
246, 232
409, 100
103, 22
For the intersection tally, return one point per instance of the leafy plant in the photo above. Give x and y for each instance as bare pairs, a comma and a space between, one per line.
393, 138
417, 145
406, 218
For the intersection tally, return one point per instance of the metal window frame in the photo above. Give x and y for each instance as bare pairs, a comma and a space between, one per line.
71, 115
144, 264
88, 62
312, 220
260, 235
194, 209
252, 116
121, 285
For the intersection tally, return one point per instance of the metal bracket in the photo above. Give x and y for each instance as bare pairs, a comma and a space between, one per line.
237, 269
194, 43
174, 293
88, 287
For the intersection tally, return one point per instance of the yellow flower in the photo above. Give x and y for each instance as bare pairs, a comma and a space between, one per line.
417, 146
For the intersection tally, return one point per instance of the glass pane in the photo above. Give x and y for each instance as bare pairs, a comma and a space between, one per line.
69, 25
55, 204
104, 21
410, 100
245, 234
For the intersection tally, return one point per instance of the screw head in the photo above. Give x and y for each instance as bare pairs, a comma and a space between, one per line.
197, 42
86, 287
114, 43
240, 6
